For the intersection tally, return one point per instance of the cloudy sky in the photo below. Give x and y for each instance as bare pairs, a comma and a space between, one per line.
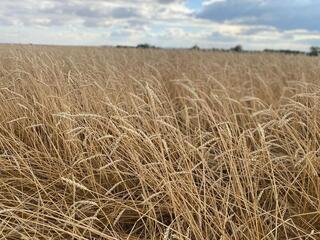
256, 24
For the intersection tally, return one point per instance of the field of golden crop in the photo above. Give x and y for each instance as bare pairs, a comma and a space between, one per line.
102, 143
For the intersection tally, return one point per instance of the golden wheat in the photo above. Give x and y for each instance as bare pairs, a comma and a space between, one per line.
102, 143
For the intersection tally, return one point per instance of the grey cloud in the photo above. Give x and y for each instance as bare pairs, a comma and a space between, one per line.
92, 22
284, 14
99, 18
257, 30
58, 12
92, 11
169, 1
122, 12
216, 36
89, 12
5, 22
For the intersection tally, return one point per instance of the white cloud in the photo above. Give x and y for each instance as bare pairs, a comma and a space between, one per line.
209, 2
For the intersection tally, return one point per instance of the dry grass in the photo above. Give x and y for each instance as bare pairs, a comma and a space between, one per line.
133, 144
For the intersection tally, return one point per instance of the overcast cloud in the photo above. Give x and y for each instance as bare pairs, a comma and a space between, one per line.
282, 14
256, 24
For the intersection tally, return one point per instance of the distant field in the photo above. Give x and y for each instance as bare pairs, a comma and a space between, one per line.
103, 143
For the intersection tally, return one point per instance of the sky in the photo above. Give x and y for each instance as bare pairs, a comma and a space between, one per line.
255, 24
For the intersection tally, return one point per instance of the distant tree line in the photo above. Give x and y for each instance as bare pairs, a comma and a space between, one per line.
237, 48
142, 45
285, 51
314, 51
124, 46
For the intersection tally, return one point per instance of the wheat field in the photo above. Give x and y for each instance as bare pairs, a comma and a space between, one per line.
105, 143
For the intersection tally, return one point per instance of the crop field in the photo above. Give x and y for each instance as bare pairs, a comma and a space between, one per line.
107, 143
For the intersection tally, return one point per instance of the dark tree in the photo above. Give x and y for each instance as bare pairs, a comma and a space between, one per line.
314, 51
195, 47
237, 48
145, 46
